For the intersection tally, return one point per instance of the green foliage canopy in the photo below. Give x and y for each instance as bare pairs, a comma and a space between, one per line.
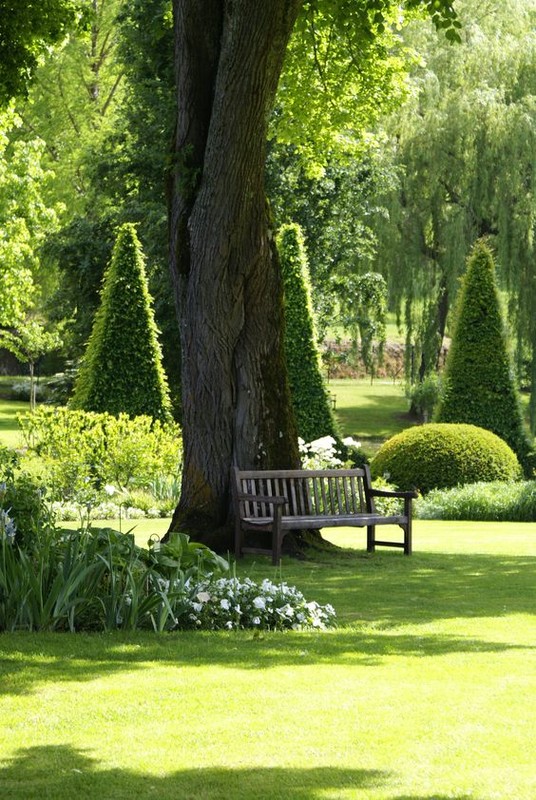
26, 30
464, 143
25, 220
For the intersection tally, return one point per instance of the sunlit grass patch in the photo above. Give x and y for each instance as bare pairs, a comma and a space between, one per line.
426, 689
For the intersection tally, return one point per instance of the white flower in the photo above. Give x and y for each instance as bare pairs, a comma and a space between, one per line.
203, 597
229, 624
256, 620
259, 602
349, 442
324, 443
197, 607
109, 489
224, 603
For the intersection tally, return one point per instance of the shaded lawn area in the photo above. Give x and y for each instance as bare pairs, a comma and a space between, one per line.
370, 412
426, 691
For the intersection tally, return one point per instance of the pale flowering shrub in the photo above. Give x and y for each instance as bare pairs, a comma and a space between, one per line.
233, 604
324, 453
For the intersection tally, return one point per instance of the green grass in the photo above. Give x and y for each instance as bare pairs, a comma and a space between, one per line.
425, 692
9, 427
370, 412
142, 529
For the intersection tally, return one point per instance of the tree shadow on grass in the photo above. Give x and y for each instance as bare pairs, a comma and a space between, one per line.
383, 604
61, 772
427, 587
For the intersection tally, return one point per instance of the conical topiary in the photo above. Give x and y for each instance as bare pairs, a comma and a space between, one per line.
122, 367
310, 400
480, 388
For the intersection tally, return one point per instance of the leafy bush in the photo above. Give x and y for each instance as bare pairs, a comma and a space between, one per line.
84, 451
98, 580
497, 501
425, 395
440, 455
22, 498
479, 379
328, 453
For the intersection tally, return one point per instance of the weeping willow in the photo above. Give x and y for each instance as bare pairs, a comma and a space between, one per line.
465, 142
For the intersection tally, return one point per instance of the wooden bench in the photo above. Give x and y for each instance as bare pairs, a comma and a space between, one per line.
278, 501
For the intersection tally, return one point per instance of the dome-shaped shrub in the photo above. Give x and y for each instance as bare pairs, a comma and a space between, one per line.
440, 455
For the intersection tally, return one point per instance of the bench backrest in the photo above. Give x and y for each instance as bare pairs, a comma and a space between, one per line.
329, 492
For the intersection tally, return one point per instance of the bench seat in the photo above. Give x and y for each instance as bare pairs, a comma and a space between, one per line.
276, 501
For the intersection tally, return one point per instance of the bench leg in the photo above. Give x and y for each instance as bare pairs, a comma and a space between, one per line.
407, 539
239, 536
407, 528
371, 538
277, 536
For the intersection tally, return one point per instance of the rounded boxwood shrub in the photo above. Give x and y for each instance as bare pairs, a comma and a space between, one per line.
440, 455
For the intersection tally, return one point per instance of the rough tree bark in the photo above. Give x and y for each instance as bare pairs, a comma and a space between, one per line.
228, 292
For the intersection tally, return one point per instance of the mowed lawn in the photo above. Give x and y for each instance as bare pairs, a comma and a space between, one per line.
9, 427
370, 412
426, 691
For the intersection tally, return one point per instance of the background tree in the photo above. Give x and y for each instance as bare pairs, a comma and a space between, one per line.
364, 311
121, 165
479, 383
26, 30
122, 370
25, 220
310, 400
28, 345
335, 210
463, 143
72, 101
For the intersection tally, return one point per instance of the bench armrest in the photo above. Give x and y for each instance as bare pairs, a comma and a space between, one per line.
274, 500
391, 493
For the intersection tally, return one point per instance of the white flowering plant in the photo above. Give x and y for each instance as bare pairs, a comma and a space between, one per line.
324, 453
233, 604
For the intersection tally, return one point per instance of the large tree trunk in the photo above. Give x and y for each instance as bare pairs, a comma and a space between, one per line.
228, 292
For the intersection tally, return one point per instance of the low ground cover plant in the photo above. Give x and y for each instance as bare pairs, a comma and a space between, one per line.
496, 501
101, 580
230, 603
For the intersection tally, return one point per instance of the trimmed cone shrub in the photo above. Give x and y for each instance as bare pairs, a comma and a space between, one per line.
441, 455
479, 386
312, 407
122, 368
